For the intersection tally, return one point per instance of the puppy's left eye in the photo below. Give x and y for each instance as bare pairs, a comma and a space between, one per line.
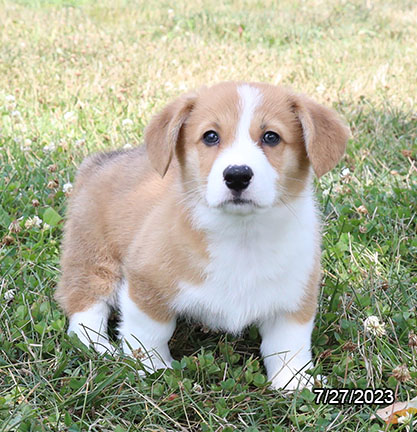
271, 138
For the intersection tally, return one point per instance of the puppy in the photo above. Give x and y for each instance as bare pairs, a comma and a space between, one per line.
216, 220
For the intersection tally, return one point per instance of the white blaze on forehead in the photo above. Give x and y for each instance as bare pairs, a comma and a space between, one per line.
244, 151
249, 100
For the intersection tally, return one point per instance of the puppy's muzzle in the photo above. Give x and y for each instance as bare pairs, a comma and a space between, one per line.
237, 177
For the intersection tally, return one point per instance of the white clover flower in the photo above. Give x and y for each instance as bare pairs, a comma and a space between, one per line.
17, 116
14, 227
345, 172
320, 88
9, 295
405, 419
126, 123
33, 222
29, 223
27, 142
67, 188
49, 148
326, 192
362, 210
80, 142
46, 226
69, 116
127, 146
373, 326
10, 99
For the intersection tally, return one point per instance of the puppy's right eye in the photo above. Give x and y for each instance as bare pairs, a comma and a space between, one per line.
211, 138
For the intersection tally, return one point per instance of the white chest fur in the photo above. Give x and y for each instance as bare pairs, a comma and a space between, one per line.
259, 266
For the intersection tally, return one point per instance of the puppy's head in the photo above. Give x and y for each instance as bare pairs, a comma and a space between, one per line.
242, 147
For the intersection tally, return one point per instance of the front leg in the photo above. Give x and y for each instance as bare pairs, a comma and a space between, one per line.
144, 337
286, 348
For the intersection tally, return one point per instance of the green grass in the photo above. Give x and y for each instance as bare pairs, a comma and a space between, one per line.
111, 60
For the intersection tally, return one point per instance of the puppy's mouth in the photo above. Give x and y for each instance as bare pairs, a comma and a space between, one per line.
240, 201
238, 205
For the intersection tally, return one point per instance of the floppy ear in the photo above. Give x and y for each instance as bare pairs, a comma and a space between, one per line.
162, 134
325, 135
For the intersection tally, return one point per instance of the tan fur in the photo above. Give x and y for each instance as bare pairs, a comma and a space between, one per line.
109, 221
214, 110
308, 307
173, 254
325, 135
125, 219
162, 135
290, 156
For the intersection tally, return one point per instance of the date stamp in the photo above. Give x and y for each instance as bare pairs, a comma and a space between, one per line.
353, 396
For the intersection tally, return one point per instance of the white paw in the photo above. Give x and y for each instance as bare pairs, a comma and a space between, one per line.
98, 342
286, 380
152, 364
151, 360
103, 347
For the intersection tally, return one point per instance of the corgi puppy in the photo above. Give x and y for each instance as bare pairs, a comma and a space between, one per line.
213, 219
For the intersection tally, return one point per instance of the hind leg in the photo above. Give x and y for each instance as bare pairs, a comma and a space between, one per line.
90, 326
87, 293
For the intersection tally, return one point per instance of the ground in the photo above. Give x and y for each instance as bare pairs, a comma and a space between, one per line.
78, 76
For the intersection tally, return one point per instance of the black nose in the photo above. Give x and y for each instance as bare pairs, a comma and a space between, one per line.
237, 177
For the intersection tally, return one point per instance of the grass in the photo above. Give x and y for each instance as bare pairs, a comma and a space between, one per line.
72, 71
